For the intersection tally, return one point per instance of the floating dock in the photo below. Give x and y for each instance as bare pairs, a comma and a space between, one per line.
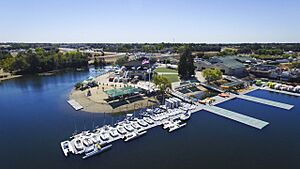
250, 121
75, 105
280, 91
265, 101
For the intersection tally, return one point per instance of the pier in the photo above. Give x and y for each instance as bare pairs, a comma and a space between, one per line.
280, 91
265, 101
75, 105
250, 121
212, 88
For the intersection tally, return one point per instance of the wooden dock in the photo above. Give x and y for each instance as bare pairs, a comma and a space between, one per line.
250, 121
265, 101
280, 91
75, 105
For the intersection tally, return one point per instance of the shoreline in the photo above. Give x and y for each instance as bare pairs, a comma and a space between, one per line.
10, 77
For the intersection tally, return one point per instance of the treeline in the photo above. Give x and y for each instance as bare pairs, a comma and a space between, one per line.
241, 48
39, 60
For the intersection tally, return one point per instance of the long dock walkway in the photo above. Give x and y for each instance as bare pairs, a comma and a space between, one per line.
267, 102
75, 104
250, 121
280, 91
212, 88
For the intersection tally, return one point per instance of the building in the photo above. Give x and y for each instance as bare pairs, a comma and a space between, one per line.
229, 65
136, 68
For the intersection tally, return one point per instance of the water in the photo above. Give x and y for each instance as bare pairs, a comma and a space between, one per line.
35, 118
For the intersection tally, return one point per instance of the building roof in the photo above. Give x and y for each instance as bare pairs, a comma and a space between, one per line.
229, 61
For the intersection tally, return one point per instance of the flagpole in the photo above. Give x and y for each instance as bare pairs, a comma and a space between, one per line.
149, 73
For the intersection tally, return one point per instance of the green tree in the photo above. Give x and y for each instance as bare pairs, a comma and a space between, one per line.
212, 74
186, 66
162, 83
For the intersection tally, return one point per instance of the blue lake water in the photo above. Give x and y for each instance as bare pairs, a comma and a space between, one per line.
35, 118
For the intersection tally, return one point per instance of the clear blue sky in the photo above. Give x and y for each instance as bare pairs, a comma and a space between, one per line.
210, 21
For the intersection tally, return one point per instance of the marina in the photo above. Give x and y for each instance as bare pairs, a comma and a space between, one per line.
171, 117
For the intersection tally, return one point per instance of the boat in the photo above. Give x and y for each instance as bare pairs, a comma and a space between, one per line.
136, 125
167, 124
104, 136
148, 120
121, 130
96, 149
185, 116
176, 126
95, 138
142, 123
78, 144
114, 133
133, 135
129, 128
87, 142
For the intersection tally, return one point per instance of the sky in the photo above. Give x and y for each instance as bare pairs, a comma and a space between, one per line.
152, 21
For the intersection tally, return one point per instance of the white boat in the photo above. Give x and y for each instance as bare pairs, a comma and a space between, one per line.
176, 126
148, 120
78, 144
121, 130
96, 149
133, 135
129, 128
87, 142
167, 124
104, 136
185, 116
95, 138
136, 125
142, 123
114, 133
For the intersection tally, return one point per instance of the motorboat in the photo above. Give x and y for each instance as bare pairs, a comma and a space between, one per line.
136, 125
78, 144
121, 130
148, 120
114, 133
185, 116
95, 149
176, 126
104, 136
133, 135
87, 142
142, 123
129, 128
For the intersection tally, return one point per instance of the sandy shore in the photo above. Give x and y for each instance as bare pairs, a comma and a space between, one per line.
96, 103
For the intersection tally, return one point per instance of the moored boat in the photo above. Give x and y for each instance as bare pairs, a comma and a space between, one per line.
96, 149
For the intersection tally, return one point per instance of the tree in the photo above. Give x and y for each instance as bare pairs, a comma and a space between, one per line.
162, 83
186, 66
212, 74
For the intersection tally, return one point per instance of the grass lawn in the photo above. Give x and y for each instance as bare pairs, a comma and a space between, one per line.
162, 70
172, 77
